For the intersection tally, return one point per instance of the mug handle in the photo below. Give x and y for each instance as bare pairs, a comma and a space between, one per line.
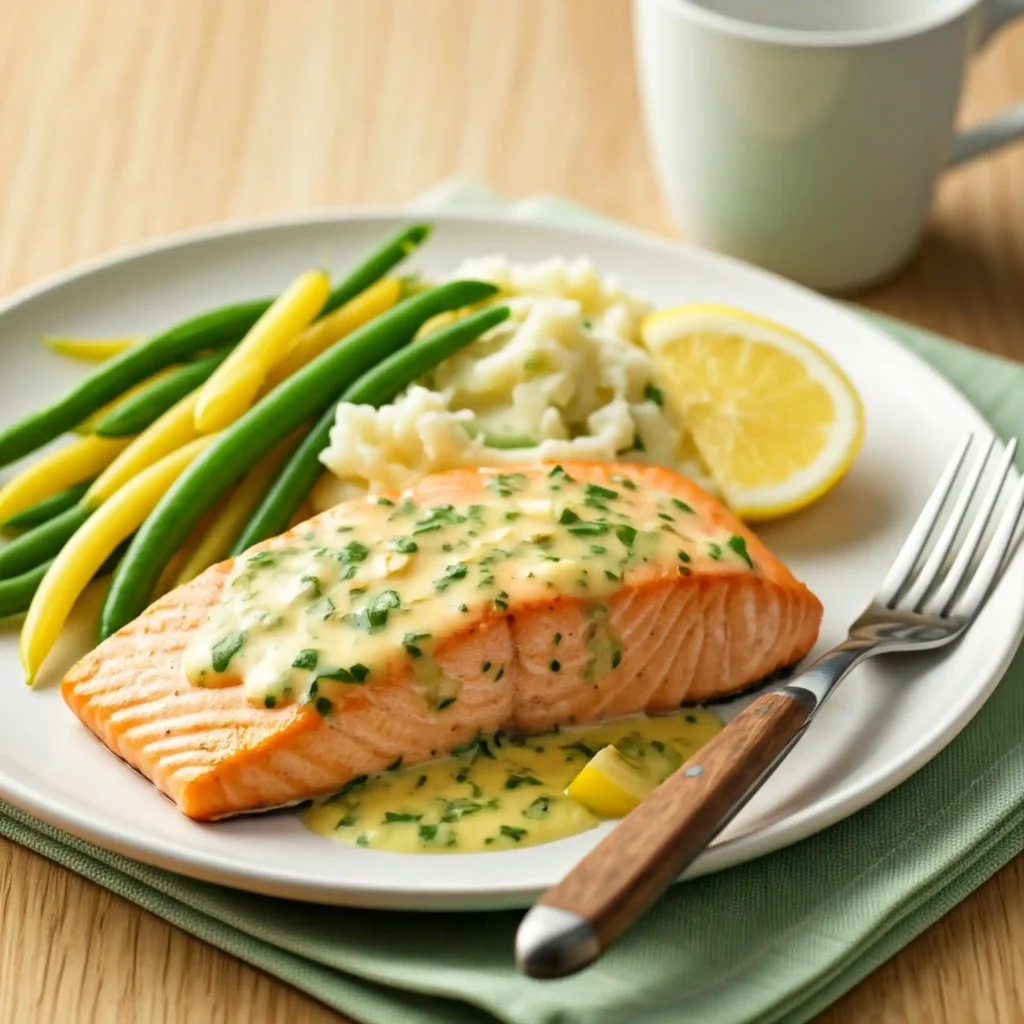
1002, 128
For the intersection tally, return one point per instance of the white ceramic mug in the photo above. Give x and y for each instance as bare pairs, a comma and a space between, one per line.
807, 135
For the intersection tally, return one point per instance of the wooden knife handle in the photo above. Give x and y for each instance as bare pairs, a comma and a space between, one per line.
625, 873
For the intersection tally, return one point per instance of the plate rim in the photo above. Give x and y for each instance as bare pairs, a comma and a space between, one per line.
213, 867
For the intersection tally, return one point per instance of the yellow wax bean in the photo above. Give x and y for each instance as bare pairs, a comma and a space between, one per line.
58, 470
175, 428
216, 541
91, 545
321, 335
90, 350
230, 390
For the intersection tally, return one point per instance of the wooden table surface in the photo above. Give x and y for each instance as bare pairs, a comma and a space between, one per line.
123, 121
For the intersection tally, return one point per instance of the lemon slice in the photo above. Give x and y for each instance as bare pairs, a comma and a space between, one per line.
608, 785
775, 420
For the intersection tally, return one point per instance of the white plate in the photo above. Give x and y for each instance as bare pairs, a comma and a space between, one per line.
887, 721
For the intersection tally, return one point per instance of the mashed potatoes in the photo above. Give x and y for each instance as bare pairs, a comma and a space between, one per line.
563, 378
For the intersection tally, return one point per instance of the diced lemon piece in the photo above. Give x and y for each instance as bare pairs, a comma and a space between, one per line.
775, 420
609, 786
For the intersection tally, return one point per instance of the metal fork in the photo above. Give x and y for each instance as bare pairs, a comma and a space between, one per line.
937, 585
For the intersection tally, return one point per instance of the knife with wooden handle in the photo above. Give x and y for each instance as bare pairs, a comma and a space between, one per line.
610, 888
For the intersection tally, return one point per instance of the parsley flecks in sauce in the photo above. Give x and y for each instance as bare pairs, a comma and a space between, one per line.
225, 649
375, 580
739, 545
465, 804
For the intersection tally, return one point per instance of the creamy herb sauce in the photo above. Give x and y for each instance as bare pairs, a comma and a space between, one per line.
502, 793
373, 582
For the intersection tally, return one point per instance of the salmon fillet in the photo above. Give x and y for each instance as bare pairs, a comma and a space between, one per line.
688, 634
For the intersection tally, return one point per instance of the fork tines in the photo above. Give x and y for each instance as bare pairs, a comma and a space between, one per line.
951, 560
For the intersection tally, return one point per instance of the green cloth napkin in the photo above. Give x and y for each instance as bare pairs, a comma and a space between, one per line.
774, 940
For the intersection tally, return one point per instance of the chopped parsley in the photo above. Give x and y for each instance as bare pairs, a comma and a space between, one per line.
226, 648
374, 616
739, 545
588, 529
538, 809
517, 779
602, 493
579, 747
451, 572
354, 783
356, 674
306, 659
353, 553
506, 484
261, 558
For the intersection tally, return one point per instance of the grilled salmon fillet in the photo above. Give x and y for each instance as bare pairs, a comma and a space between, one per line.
692, 608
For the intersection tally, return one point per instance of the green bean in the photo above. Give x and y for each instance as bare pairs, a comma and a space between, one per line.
16, 593
376, 265
46, 509
225, 326
210, 330
308, 392
392, 375
375, 387
28, 550
134, 414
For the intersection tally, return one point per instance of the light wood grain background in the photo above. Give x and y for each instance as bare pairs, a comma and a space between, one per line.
124, 120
